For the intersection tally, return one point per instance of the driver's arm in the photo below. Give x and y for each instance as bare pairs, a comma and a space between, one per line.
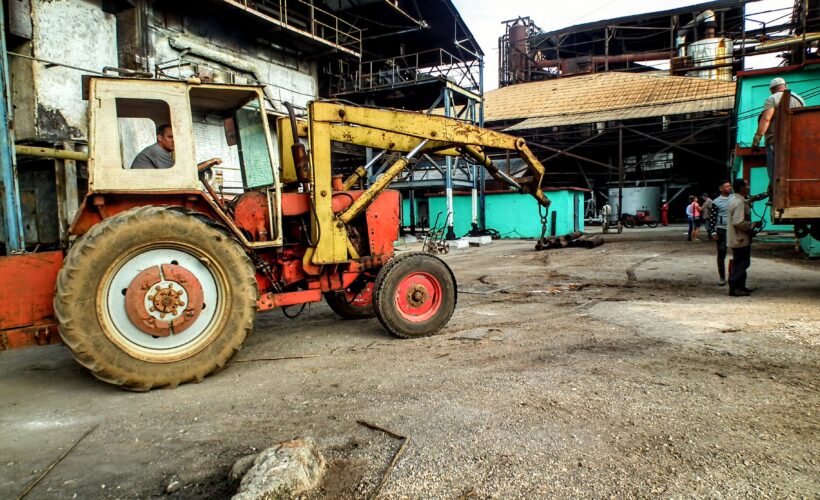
762, 126
205, 165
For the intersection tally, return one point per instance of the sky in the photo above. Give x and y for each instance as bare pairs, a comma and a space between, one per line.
484, 18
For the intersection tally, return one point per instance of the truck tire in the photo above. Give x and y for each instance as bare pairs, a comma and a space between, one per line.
153, 297
415, 295
352, 305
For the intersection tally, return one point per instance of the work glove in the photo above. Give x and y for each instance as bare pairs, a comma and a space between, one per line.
756, 142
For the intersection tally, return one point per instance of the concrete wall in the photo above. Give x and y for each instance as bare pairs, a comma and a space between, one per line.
48, 100
511, 214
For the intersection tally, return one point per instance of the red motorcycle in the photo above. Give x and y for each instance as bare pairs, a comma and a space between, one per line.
642, 218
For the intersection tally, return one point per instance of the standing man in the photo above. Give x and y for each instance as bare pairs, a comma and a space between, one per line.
718, 214
706, 211
606, 214
740, 229
766, 126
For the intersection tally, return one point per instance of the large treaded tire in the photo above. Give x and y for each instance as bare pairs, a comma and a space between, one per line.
81, 303
386, 294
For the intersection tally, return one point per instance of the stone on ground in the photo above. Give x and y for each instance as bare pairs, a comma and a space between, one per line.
284, 470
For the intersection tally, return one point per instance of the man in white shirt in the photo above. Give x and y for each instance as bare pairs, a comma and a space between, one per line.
767, 127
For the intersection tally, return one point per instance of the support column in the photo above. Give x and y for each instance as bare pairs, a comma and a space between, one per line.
448, 173
12, 214
474, 193
474, 178
620, 170
412, 211
482, 198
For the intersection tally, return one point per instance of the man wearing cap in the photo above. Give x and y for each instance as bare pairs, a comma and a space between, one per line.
766, 123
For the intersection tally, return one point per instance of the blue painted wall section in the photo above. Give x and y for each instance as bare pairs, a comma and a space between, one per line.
513, 215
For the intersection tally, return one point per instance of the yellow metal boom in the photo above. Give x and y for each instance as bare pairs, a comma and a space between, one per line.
394, 130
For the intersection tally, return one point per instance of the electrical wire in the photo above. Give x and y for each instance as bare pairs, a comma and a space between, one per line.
301, 310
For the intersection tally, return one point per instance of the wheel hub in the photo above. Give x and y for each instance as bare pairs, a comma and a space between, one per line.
164, 300
417, 295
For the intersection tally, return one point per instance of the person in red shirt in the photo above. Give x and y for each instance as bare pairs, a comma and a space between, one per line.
664, 213
695, 210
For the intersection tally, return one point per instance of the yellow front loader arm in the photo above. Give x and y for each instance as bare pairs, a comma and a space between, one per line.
403, 131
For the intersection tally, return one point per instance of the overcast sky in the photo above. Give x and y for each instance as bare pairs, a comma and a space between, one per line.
484, 18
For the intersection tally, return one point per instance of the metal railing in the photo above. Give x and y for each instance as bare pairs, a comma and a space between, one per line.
411, 69
303, 17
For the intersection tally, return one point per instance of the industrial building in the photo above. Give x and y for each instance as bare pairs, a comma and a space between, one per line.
642, 104
255, 249
366, 51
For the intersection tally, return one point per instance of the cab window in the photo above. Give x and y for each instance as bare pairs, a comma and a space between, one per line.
145, 134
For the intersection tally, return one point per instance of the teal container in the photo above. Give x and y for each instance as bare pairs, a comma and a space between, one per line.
513, 215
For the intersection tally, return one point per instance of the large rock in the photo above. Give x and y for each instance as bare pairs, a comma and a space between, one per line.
283, 471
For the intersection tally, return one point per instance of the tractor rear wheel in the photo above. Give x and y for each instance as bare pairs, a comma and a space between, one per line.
154, 297
415, 295
352, 304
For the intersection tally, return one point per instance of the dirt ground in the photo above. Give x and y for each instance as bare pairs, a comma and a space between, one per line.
622, 370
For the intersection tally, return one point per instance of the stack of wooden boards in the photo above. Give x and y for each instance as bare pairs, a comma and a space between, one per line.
576, 239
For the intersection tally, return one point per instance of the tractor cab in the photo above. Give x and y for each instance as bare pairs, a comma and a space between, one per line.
207, 121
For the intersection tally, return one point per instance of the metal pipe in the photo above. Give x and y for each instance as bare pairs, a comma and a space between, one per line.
620, 58
379, 185
482, 159
786, 42
361, 172
60, 154
12, 212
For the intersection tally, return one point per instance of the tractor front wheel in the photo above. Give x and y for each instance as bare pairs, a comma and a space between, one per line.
415, 295
154, 297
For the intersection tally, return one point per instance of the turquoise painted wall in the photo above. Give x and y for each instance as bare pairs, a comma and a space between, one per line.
752, 92
513, 215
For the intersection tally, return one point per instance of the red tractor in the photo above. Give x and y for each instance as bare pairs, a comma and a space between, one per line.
165, 273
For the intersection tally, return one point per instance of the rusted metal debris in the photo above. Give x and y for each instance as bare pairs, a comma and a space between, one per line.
404, 441
576, 239
30, 486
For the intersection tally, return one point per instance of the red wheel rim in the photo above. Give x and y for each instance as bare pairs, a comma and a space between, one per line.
418, 297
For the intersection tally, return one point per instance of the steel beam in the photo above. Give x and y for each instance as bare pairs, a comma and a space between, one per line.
673, 145
573, 155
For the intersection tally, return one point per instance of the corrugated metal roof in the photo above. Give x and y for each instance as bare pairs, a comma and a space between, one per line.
680, 108
604, 97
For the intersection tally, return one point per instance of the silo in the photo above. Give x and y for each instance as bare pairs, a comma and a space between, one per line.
517, 55
636, 198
